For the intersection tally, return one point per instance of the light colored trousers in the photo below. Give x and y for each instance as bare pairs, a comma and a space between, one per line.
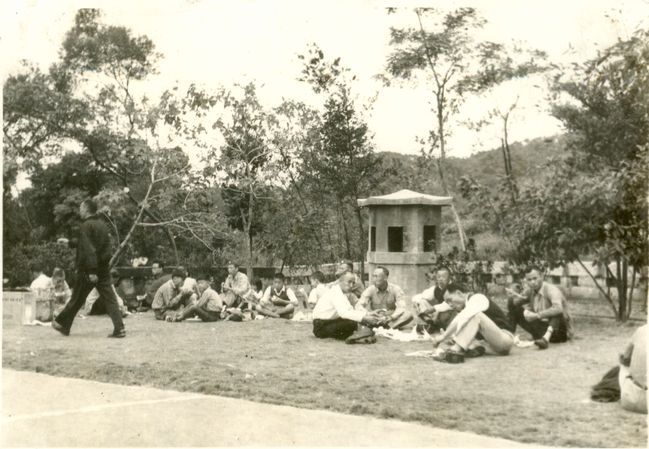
632, 397
499, 340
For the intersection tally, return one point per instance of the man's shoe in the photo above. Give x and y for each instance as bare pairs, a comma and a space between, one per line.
449, 357
542, 343
57, 327
118, 334
475, 352
364, 335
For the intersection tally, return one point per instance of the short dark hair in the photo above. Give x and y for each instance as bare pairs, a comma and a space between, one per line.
258, 284
455, 287
349, 263
279, 276
536, 268
91, 205
36, 267
443, 268
231, 262
160, 264
178, 272
385, 270
318, 276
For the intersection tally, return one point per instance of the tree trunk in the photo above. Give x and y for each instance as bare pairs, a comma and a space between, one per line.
345, 231
631, 291
599, 287
441, 166
249, 235
621, 290
363, 236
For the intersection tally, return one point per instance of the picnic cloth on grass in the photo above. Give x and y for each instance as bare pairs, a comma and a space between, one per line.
398, 335
607, 389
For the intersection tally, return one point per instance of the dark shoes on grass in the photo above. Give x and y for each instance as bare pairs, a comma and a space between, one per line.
449, 357
363, 335
118, 334
542, 343
478, 351
57, 327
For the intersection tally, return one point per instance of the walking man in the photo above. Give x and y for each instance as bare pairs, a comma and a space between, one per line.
93, 271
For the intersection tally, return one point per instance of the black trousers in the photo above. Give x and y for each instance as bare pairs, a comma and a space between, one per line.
339, 328
537, 328
82, 288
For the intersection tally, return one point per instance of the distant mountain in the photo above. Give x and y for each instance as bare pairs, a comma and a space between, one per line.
487, 167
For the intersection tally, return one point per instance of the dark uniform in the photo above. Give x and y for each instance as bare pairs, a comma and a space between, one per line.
93, 257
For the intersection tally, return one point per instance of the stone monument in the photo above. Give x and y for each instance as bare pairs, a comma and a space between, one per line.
404, 235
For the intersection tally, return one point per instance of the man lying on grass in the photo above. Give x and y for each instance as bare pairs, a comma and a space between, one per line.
335, 317
479, 324
278, 301
209, 305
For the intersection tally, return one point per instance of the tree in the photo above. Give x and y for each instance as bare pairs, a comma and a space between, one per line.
342, 163
89, 98
456, 64
592, 201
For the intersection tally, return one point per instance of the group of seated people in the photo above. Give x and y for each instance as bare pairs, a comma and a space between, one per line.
465, 324
461, 324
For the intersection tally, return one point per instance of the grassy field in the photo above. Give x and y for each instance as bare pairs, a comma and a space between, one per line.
531, 396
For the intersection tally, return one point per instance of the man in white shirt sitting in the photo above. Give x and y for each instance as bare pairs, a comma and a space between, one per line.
40, 281
279, 300
335, 317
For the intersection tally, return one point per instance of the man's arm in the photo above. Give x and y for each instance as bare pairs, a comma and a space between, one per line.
241, 286
345, 309
291, 297
161, 298
400, 300
87, 250
265, 299
556, 299
364, 300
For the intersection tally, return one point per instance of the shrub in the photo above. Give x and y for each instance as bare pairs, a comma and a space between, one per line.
18, 260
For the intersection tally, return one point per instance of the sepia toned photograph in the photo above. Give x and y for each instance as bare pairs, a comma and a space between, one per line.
283, 223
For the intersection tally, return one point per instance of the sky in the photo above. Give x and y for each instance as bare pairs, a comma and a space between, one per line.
219, 43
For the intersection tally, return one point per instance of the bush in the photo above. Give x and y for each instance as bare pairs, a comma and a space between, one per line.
18, 260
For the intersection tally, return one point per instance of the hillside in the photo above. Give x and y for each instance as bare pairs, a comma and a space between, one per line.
412, 172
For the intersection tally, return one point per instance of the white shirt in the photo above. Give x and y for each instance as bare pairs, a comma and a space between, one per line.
316, 293
270, 292
334, 304
42, 282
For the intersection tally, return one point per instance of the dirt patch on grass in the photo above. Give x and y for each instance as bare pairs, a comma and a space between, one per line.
530, 396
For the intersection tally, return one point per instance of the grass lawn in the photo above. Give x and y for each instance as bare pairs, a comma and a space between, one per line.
530, 396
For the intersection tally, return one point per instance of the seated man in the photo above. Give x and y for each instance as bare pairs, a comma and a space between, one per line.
318, 288
159, 278
543, 312
424, 303
39, 280
209, 305
278, 301
633, 373
387, 299
479, 319
236, 290
346, 266
169, 299
335, 317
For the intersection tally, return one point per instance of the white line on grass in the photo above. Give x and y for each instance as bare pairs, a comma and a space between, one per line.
96, 408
